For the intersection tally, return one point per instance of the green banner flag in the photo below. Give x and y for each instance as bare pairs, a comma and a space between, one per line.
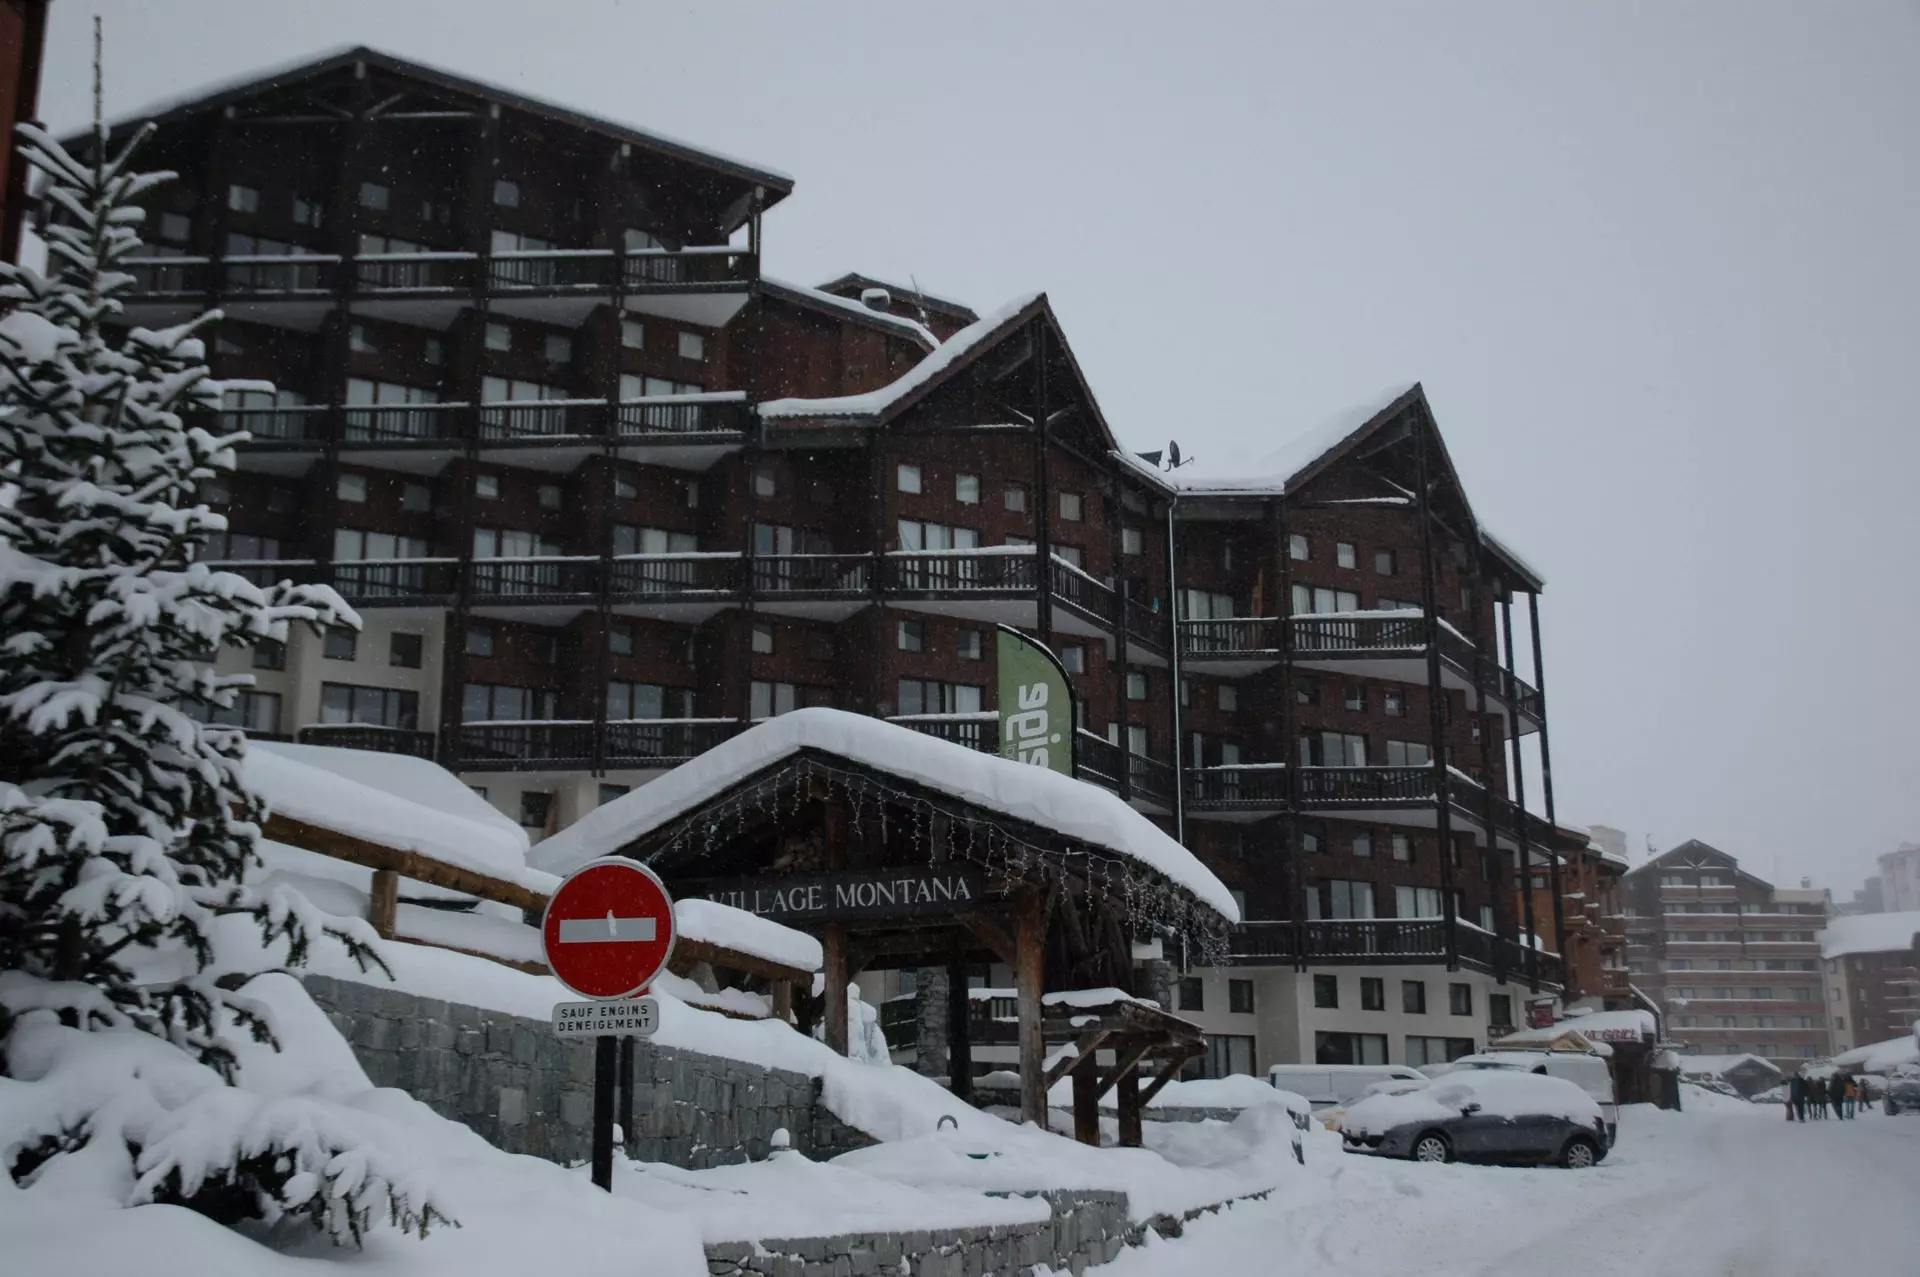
1036, 704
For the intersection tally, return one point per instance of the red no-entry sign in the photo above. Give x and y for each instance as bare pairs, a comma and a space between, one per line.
608, 929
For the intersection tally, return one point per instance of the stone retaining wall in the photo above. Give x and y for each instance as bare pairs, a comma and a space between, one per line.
524, 1090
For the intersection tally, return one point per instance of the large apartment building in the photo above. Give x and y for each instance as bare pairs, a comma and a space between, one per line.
1873, 977
604, 494
1733, 962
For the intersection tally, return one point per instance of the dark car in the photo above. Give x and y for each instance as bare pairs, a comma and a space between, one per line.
1499, 1118
1903, 1093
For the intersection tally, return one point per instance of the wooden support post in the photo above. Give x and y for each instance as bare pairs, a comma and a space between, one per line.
836, 986
959, 1033
783, 1000
1171, 1067
383, 905
1126, 1098
1029, 973
1086, 1102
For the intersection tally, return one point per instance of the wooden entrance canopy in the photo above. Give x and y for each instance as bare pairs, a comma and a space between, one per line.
908, 870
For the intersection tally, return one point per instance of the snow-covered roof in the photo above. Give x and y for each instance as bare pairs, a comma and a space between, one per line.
930, 301
833, 301
1719, 1064
743, 932
210, 92
1270, 475
397, 801
1869, 933
1036, 795
1598, 1025
1880, 1057
875, 402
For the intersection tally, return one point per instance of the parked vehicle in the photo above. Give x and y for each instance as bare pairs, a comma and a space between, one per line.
1903, 1093
1333, 1085
1496, 1116
1588, 1072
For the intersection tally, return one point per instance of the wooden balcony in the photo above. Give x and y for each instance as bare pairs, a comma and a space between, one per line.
724, 414
547, 579
664, 742
503, 745
427, 425
672, 578
1385, 942
812, 576
368, 736
1007, 571
395, 582
542, 421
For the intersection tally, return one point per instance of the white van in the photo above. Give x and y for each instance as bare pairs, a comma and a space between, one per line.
1337, 1085
1588, 1072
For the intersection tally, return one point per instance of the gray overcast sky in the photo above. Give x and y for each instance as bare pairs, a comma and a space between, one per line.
1658, 266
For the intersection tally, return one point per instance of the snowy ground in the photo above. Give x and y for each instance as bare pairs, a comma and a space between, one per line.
1726, 1189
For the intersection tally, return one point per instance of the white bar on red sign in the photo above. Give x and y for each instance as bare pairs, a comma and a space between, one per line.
618, 1017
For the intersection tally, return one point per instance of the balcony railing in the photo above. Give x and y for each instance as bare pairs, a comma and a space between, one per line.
1146, 626
658, 575
721, 412
368, 736
565, 269
974, 731
660, 269
549, 743
789, 575
995, 570
415, 423
414, 272
288, 424
542, 419
1151, 780
370, 581
169, 276
289, 273
641, 742
1238, 785
1076, 589
1386, 941
1365, 786
1098, 759
1235, 637
1403, 631
525, 579
266, 572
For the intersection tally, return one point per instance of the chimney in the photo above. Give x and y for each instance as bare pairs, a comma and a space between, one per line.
876, 299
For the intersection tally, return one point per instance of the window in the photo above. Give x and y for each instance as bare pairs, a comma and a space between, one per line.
1413, 997
1460, 999
1416, 902
929, 696
692, 345
559, 348
625, 487
1298, 547
479, 640
1394, 703
633, 334
1486, 911
501, 702
1193, 995
1333, 749
1363, 845
536, 805
912, 636
906, 478
1383, 563
1070, 555
1229, 1055
1500, 1009
966, 489
1073, 658
1356, 698
1313, 599
967, 643
1345, 555
1229, 698
1132, 541
620, 641
629, 701
1136, 685
373, 195
766, 700
1425, 1050
404, 650
763, 483
499, 337
1070, 506
1404, 753
417, 497
341, 644
243, 199
486, 486
550, 496
1014, 498
351, 487
178, 227
269, 655
1326, 991
506, 194
1403, 848
763, 639
251, 711
1373, 993
1350, 1048
1240, 997
1306, 690
373, 706
1347, 899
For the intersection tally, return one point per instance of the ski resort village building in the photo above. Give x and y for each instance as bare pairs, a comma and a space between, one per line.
1732, 961
605, 495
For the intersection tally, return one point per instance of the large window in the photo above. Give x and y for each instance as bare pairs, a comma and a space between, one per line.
1229, 1054
1416, 902
930, 696
510, 543
1310, 599
628, 539
1408, 753
374, 706
770, 699
1349, 1048
389, 410
648, 700
257, 712
1204, 605
1424, 1050
498, 702
1334, 749
917, 534
1345, 899
351, 545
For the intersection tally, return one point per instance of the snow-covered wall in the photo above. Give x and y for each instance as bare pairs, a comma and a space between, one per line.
524, 1090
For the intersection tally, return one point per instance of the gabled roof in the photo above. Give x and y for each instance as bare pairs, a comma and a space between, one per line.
845, 308
1690, 851
852, 284
210, 98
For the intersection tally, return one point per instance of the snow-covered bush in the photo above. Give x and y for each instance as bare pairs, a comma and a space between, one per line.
125, 829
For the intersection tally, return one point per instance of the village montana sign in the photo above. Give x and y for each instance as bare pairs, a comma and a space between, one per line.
845, 897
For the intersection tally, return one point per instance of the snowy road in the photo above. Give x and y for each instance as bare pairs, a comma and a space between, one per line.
1727, 1192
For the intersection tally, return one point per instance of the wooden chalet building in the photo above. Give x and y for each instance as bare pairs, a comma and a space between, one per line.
604, 493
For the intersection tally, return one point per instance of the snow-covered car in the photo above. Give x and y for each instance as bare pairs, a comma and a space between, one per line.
1492, 1116
1903, 1093
1588, 1072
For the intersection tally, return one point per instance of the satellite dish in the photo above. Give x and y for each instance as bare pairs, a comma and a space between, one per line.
1173, 455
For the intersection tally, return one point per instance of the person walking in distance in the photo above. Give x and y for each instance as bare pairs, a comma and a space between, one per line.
1849, 1094
1817, 1098
1796, 1098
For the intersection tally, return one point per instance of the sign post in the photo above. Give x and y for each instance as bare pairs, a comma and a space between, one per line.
607, 934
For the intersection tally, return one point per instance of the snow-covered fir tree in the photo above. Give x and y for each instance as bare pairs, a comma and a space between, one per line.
125, 828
